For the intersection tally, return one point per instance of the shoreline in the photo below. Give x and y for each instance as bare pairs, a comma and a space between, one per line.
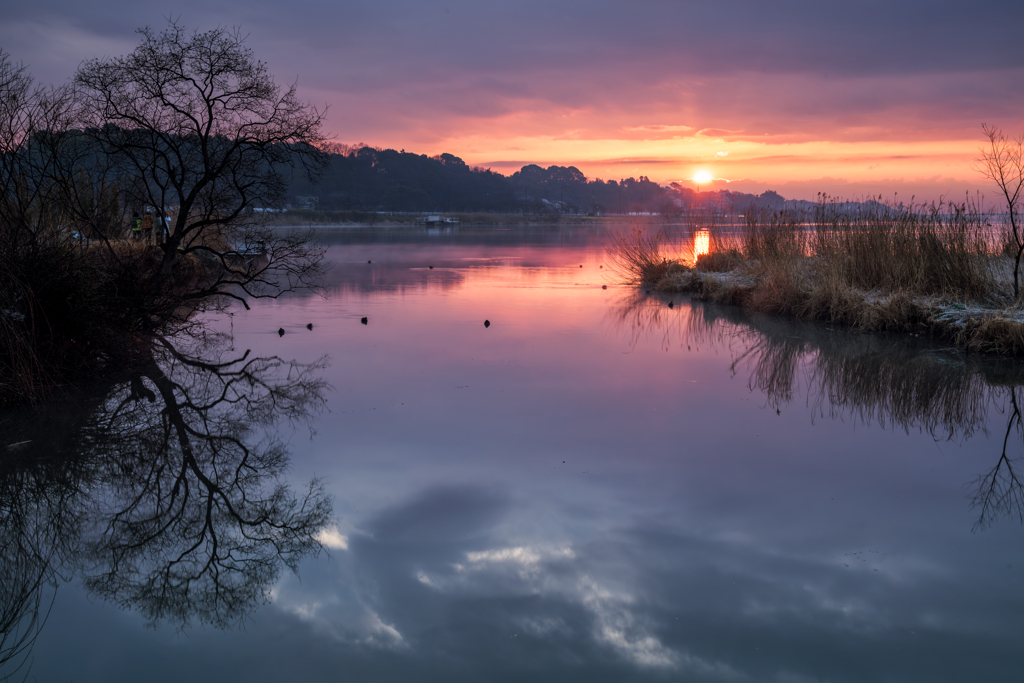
969, 326
355, 219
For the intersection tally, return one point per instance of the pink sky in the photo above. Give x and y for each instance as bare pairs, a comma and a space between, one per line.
799, 97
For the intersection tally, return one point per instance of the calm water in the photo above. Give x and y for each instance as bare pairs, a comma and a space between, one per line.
594, 487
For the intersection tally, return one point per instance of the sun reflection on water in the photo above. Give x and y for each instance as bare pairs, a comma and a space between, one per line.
701, 243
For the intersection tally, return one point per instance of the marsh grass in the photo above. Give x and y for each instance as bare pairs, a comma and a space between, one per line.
870, 265
723, 261
935, 250
640, 256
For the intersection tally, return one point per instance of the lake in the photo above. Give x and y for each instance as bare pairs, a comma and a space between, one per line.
595, 486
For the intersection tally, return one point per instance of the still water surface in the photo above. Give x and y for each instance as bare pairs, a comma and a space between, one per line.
595, 487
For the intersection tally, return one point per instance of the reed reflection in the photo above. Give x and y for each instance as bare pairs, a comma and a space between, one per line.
893, 382
164, 492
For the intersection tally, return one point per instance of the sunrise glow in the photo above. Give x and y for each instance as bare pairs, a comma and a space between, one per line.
817, 114
702, 177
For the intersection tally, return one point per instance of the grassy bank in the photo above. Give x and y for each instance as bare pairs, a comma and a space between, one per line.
939, 270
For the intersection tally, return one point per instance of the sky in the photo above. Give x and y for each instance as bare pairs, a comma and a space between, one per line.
851, 99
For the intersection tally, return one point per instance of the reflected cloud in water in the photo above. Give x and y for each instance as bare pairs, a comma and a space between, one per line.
163, 491
596, 487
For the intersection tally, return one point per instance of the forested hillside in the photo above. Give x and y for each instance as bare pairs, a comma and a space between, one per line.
362, 178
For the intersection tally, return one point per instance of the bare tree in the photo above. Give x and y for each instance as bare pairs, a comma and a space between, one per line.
202, 136
1002, 161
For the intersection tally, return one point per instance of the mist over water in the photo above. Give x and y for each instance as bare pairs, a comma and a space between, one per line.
593, 487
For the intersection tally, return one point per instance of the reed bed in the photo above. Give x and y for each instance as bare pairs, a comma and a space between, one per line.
937, 269
640, 256
939, 250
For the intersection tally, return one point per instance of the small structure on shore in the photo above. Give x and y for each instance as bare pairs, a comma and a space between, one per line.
437, 220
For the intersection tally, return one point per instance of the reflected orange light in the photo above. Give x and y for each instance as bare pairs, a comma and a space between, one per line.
701, 244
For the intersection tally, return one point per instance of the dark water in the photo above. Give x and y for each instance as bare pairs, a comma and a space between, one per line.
594, 487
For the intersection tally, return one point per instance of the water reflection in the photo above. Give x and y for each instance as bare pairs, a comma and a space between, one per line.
163, 491
701, 243
892, 382
539, 500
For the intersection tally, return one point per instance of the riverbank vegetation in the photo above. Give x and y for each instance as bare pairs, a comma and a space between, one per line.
128, 203
942, 270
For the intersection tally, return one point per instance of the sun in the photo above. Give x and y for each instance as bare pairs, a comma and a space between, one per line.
702, 177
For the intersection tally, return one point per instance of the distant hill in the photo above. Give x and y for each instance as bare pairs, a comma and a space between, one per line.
363, 178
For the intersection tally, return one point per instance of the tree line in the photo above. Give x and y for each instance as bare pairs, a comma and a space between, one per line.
363, 178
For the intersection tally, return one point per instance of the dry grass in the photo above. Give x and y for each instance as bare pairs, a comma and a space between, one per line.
936, 250
871, 266
639, 256
722, 261
772, 236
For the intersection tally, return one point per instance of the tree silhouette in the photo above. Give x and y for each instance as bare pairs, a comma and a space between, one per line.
164, 493
198, 128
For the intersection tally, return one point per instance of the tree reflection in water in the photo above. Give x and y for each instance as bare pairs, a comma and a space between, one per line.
999, 492
165, 494
895, 382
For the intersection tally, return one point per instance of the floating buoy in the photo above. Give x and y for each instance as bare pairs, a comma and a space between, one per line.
604, 286
280, 332
364, 320
487, 323
309, 326
369, 261
581, 265
670, 304
431, 267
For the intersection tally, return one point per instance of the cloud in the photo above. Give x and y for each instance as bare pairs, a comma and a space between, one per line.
333, 539
526, 557
658, 129
571, 82
616, 625
381, 632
